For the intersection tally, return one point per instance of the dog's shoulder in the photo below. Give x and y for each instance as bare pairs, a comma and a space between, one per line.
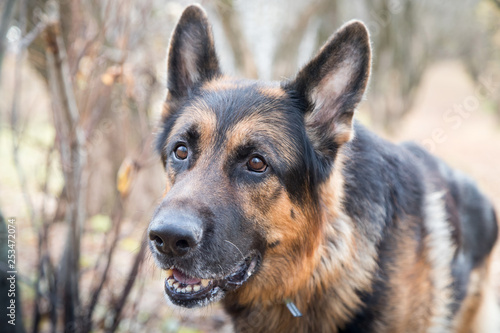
381, 177
397, 178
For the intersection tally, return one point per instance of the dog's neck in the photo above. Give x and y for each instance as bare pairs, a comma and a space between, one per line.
336, 271
339, 274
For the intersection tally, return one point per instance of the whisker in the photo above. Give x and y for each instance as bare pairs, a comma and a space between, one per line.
225, 240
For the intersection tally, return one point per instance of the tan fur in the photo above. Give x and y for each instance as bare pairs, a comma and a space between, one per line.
259, 125
166, 110
272, 92
411, 285
205, 120
470, 305
479, 312
346, 265
487, 319
289, 232
220, 84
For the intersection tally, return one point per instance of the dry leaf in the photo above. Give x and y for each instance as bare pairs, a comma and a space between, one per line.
125, 176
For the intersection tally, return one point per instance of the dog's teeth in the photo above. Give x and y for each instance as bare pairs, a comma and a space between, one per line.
169, 272
182, 290
176, 285
170, 282
205, 282
189, 289
196, 287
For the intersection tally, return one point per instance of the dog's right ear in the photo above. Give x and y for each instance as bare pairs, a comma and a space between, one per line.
191, 57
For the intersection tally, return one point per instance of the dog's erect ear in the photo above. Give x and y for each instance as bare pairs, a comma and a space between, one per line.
332, 84
191, 56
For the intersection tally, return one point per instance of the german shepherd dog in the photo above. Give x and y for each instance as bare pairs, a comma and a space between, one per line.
277, 199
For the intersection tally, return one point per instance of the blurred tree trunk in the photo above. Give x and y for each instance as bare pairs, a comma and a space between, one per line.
243, 58
398, 62
35, 10
73, 162
481, 54
286, 56
7, 13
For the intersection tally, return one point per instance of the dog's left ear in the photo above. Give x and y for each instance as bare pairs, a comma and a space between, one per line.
191, 57
332, 84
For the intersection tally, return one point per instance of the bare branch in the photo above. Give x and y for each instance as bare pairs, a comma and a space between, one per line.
73, 161
56, 54
132, 277
32, 35
117, 218
4, 27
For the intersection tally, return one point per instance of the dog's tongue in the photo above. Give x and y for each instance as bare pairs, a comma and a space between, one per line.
182, 278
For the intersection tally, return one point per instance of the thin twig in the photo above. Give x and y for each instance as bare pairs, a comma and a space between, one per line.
132, 276
30, 37
117, 218
8, 11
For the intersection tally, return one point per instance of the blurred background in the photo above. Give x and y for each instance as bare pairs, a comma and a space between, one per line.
82, 84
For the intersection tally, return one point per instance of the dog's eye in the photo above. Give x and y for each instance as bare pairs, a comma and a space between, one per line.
181, 152
256, 164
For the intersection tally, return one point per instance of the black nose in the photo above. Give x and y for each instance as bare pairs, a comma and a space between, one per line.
175, 235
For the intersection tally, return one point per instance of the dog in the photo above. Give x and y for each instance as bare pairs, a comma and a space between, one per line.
296, 217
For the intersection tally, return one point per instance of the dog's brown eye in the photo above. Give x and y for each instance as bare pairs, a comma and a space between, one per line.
181, 152
256, 164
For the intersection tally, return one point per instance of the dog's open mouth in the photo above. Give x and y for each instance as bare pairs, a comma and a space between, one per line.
187, 291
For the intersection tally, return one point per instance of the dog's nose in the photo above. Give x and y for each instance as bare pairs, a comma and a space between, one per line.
175, 235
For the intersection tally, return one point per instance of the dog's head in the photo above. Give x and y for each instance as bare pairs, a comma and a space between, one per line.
244, 161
